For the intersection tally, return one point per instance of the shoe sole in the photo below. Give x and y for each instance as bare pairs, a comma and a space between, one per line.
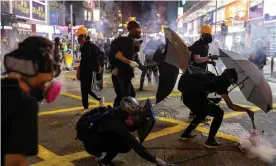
211, 147
185, 139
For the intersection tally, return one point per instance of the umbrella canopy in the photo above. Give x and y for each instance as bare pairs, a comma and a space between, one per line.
175, 56
147, 121
254, 87
178, 53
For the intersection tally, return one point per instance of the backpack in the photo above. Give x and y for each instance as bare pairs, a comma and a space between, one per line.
87, 124
194, 80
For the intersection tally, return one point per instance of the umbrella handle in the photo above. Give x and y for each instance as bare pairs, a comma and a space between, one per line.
215, 67
253, 123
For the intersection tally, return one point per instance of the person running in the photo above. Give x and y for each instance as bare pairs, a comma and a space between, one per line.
195, 98
111, 132
89, 63
31, 69
199, 51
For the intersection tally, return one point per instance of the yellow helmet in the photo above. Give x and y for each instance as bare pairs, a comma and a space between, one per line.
82, 31
206, 28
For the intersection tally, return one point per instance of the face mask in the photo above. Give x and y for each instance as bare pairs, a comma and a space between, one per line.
135, 34
207, 38
50, 92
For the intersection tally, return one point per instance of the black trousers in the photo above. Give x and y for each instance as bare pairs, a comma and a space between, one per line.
148, 73
86, 77
116, 85
108, 142
126, 86
202, 108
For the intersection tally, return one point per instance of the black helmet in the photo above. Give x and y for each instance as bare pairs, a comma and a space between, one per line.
132, 25
231, 74
130, 105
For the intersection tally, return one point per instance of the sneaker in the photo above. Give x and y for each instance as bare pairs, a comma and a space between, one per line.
101, 102
185, 137
103, 162
192, 115
212, 144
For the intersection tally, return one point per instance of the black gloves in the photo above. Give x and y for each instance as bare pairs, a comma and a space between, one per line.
213, 57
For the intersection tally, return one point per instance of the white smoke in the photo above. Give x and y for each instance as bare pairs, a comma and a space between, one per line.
258, 147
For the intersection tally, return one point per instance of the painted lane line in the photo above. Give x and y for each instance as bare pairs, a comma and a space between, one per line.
52, 159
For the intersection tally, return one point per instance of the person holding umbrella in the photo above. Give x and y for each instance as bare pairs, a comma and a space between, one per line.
111, 131
195, 98
199, 51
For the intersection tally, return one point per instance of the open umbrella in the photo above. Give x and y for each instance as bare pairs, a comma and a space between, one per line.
178, 53
175, 55
250, 79
147, 119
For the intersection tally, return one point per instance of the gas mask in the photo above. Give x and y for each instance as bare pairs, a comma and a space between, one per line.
50, 91
134, 33
81, 39
207, 38
32, 67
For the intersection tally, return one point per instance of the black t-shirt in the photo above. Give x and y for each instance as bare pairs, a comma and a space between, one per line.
199, 48
126, 46
89, 56
217, 86
18, 121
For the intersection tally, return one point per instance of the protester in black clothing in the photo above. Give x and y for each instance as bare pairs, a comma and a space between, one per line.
126, 58
31, 69
111, 133
115, 79
106, 50
89, 63
203, 106
199, 51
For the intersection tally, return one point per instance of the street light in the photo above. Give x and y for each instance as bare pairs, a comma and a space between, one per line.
158, 14
120, 14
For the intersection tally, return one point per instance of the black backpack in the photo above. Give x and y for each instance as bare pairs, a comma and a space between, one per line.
195, 80
87, 124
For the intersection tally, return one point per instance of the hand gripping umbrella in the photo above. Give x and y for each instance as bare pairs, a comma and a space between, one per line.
250, 80
177, 56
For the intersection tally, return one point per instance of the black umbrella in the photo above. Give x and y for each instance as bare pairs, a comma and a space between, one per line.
147, 120
176, 55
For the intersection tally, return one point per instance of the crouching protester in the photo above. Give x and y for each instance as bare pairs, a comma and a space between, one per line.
108, 130
31, 69
201, 83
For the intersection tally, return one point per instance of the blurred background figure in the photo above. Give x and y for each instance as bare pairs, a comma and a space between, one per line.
149, 51
258, 54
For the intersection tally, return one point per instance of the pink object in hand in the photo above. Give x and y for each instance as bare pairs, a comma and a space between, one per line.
53, 92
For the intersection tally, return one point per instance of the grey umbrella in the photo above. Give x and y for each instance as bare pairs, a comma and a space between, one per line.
250, 79
178, 53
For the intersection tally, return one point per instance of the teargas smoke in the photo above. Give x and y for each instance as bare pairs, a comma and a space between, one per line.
259, 146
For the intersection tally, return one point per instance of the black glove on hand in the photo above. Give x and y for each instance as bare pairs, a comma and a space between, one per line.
213, 57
